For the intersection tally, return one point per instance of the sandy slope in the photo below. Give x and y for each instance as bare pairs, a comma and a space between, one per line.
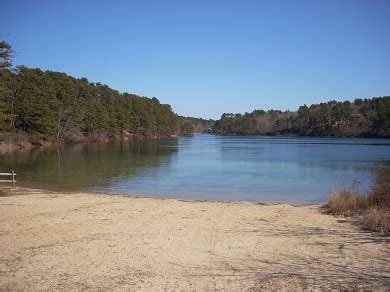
89, 241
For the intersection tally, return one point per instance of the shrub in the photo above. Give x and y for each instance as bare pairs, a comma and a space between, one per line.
345, 202
380, 191
376, 219
5, 192
14, 138
371, 211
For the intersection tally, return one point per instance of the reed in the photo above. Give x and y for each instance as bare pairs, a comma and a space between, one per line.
372, 210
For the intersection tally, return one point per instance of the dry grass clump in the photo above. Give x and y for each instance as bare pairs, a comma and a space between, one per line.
14, 138
345, 202
376, 219
371, 211
380, 192
5, 192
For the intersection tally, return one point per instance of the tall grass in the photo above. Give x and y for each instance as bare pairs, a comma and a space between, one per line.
5, 192
372, 210
379, 194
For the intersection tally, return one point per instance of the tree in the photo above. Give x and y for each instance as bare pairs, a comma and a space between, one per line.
54, 106
186, 129
5, 54
6, 106
368, 117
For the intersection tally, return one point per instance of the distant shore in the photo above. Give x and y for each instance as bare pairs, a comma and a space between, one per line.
9, 147
87, 241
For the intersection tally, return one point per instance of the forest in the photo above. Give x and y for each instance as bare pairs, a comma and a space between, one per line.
191, 125
38, 106
360, 118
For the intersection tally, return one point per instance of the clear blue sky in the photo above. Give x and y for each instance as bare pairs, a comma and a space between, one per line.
209, 57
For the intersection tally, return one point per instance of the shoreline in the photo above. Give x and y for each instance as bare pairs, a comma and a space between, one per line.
12, 147
22, 190
52, 240
6, 147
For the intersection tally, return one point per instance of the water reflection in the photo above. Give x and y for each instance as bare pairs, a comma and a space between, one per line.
83, 166
271, 169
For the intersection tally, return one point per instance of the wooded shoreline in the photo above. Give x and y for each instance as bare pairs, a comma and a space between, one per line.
39, 107
6, 147
360, 118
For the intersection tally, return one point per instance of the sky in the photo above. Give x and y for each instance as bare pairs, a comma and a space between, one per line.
208, 57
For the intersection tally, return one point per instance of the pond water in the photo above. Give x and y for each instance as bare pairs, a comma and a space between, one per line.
206, 167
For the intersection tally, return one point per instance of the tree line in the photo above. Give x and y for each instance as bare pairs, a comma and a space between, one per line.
52, 106
360, 118
190, 125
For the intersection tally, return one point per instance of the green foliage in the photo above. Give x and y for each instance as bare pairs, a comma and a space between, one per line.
6, 115
6, 103
186, 128
190, 125
54, 106
365, 118
5, 54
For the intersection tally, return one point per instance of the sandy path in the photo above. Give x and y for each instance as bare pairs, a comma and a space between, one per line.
90, 241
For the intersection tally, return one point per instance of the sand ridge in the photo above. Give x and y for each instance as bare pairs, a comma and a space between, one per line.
89, 241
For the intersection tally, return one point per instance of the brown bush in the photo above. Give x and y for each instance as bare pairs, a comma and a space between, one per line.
376, 219
345, 202
371, 211
14, 138
380, 191
4, 192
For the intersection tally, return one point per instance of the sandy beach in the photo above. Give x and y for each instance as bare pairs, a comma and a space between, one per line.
89, 241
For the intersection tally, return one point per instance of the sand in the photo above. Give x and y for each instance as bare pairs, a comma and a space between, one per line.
89, 241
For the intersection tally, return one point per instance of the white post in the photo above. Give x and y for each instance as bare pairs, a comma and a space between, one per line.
13, 178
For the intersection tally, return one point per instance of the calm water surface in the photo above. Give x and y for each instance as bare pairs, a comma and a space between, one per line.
267, 169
